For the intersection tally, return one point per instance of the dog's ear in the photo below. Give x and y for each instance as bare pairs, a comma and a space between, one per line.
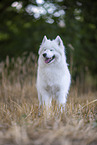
44, 39
59, 41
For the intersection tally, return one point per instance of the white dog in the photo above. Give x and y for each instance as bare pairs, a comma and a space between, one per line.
53, 77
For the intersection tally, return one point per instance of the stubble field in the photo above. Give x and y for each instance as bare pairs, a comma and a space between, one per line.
21, 121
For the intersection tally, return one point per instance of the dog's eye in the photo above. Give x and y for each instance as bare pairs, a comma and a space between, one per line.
51, 50
44, 49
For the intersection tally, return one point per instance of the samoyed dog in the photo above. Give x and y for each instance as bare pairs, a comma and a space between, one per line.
53, 76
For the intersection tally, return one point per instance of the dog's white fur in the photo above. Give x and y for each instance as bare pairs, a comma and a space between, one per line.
53, 79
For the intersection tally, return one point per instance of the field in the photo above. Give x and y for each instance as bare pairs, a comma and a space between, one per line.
21, 121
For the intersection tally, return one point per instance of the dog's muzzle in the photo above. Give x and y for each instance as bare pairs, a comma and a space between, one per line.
48, 59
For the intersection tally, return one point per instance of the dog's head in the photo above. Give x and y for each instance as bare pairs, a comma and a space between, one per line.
51, 51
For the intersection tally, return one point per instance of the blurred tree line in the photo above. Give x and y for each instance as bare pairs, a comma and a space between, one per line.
23, 23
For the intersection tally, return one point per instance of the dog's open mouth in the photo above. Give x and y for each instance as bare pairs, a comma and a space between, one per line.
49, 60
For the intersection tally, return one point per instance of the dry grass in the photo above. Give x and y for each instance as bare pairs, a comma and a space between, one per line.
22, 123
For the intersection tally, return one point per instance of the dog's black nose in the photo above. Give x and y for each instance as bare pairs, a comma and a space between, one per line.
44, 54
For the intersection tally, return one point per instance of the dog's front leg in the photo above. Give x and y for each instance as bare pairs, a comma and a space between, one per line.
61, 100
45, 103
46, 99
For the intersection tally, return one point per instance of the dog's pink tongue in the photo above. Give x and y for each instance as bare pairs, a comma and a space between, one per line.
47, 60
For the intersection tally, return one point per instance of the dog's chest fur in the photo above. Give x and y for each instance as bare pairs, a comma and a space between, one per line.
52, 75
51, 78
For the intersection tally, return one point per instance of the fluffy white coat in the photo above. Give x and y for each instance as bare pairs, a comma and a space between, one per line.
53, 77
